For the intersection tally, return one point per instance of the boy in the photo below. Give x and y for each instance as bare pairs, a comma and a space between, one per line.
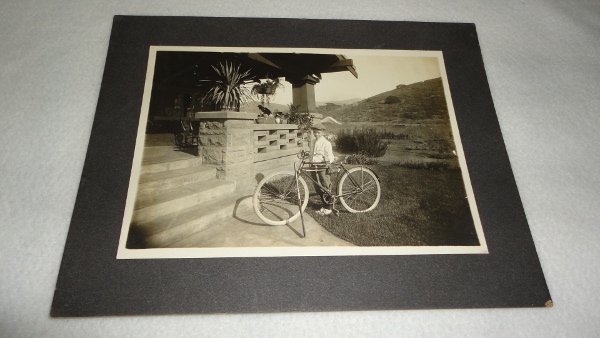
322, 152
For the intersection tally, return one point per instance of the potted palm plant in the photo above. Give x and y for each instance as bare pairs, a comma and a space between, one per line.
227, 87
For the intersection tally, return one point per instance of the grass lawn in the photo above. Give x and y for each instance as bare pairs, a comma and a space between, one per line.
423, 200
418, 207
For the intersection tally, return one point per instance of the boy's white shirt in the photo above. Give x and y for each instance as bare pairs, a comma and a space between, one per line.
323, 151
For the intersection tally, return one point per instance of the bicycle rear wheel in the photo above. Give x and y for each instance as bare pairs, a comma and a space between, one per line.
359, 190
275, 199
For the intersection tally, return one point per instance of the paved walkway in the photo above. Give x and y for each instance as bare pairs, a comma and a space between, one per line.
245, 229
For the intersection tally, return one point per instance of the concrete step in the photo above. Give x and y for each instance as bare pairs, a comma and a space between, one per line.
157, 154
153, 140
148, 207
168, 230
160, 159
170, 165
154, 183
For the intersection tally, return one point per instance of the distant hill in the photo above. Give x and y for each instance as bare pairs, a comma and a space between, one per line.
421, 100
252, 107
339, 103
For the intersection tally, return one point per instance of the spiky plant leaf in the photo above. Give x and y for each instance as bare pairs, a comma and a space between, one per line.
227, 86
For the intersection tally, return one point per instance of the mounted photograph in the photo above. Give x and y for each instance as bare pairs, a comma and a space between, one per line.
230, 170
270, 152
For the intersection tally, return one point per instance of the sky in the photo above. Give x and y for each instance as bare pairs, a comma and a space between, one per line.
376, 74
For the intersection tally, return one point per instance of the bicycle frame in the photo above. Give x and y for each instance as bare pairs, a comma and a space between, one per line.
275, 192
314, 167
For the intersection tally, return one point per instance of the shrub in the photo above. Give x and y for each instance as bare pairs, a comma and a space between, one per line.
392, 99
303, 120
441, 156
430, 165
346, 142
365, 141
393, 136
360, 159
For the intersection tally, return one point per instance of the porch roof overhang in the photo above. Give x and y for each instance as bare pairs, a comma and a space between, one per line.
184, 69
294, 65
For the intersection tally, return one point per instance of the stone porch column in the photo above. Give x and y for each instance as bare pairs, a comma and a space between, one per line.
303, 91
226, 140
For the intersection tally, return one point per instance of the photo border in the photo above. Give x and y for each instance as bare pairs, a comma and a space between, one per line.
125, 253
92, 282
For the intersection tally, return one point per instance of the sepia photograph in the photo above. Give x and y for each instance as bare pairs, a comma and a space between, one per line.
273, 152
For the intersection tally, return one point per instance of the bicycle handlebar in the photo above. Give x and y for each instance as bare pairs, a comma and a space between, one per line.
303, 155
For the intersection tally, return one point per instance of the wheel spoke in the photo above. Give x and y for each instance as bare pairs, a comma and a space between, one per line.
276, 198
360, 189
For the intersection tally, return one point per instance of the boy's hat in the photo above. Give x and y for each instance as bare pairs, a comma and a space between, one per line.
318, 126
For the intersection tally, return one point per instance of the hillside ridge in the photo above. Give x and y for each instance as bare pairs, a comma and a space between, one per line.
420, 100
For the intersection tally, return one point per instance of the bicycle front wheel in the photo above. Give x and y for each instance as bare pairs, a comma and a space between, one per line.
359, 190
275, 199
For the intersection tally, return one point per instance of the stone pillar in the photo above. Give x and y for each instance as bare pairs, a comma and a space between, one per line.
226, 140
303, 91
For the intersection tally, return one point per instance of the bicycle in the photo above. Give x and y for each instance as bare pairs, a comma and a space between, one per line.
280, 198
